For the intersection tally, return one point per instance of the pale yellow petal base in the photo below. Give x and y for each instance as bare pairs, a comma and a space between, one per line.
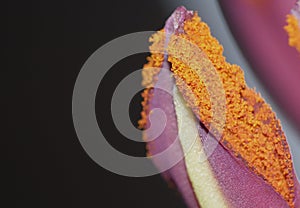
200, 173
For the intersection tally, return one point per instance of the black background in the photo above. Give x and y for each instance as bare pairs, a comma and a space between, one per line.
48, 43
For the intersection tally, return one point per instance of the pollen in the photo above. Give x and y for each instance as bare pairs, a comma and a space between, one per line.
293, 30
149, 72
251, 132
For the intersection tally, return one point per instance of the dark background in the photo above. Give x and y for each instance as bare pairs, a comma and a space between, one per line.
48, 43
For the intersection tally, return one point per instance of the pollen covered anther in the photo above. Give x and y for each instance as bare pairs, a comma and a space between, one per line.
252, 130
252, 134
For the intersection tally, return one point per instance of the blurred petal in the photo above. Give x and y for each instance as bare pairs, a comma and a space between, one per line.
250, 166
258, 28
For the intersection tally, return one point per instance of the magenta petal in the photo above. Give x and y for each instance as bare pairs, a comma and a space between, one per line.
241, 187
297, 200
259, 31
163, 100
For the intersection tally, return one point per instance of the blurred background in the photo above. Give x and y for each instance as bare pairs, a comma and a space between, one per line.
53, 40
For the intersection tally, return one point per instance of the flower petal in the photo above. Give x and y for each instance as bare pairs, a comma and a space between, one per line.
159, 95
250, 164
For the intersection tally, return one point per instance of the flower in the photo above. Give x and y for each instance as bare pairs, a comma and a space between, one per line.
234, 152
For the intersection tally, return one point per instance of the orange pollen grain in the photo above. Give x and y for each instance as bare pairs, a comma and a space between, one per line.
293, 30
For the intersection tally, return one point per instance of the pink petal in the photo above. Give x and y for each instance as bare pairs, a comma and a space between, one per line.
163, 100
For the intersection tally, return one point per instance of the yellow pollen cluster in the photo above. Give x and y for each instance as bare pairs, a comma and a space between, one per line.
149, 72
293, 30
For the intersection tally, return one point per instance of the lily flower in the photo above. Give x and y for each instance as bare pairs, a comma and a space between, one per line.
234, 152
259, 28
